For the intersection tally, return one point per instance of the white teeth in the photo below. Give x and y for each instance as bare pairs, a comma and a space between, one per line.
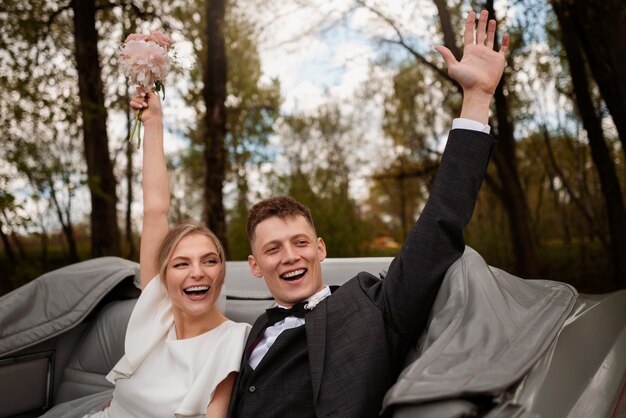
294, 273
197, 288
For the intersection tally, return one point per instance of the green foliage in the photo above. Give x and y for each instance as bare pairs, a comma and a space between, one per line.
412, 111
42, 144
317, 151
237, 236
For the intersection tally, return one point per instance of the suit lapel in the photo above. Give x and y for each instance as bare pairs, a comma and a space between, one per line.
315, 324
253, 337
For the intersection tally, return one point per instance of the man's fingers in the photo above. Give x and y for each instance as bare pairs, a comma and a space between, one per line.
491, 33
482, 27
447, 55
468, 35
505, 44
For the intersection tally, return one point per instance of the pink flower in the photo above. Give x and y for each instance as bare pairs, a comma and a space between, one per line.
145, 61
137, 37
161, 39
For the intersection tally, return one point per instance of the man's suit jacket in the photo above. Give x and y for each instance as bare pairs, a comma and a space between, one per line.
359, 336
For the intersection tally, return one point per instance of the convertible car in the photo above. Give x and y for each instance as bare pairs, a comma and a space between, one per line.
496, 346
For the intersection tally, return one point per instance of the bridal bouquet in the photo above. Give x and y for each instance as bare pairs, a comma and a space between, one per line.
145, 60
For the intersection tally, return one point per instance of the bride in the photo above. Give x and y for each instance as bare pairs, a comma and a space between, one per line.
181, 353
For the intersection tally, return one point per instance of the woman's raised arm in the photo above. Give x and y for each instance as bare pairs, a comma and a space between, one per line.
155, 185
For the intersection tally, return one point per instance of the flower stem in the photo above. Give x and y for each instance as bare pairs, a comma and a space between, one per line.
137, 127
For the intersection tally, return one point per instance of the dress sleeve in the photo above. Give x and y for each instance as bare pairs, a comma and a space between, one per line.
221, 360
149, 322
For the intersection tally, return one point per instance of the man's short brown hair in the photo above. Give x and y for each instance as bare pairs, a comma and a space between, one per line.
279, 206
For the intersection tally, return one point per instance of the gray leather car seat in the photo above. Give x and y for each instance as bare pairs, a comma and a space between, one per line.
99, 349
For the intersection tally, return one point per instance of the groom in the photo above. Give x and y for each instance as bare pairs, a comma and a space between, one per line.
335, 352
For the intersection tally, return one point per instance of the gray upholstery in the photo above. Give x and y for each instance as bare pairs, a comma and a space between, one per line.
487, 329
97, 352
56, 302
454, 408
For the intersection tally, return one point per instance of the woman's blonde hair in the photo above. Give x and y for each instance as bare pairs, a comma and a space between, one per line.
176, 234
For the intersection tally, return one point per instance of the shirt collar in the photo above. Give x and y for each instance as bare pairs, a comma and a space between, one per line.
314, 299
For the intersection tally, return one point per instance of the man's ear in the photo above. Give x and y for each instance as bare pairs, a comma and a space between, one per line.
321, 249
254, 267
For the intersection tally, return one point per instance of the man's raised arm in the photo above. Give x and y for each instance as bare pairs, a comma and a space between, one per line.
436, 240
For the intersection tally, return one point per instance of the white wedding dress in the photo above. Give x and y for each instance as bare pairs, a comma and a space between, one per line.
160, 376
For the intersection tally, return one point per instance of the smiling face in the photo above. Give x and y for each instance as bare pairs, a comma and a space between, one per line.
287, 255
194, 276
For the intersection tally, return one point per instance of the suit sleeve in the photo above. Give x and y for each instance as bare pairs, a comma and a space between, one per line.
408, 292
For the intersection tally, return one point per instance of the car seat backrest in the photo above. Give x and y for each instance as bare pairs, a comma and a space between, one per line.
99, 349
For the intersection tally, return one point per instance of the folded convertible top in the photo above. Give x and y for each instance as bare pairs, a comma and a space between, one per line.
487, 329
43, 308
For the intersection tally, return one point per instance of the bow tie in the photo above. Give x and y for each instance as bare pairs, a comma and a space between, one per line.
277, 314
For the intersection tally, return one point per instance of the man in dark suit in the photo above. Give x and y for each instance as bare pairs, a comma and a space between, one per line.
336, 352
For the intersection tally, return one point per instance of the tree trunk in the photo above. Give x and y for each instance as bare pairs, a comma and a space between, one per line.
104, 230
44, 245
66, 225
601, 27
512, 195
599, 150
449, 32
5, 283
214, 96
13, 236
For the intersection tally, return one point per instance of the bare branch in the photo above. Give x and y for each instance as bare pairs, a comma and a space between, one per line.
401, 41
446, 28
136, 9
577, 201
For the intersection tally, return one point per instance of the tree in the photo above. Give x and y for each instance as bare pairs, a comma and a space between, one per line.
7, 201
251, 108
601, 153
508, 186
52, 176
411, 111
600, 28
40, 133
214, 120
104, 229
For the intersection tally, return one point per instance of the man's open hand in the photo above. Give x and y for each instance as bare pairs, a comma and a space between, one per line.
481, 67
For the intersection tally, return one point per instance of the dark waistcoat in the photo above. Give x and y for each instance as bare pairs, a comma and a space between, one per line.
280, 386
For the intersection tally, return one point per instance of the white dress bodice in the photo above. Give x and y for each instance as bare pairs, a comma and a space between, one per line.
160, 376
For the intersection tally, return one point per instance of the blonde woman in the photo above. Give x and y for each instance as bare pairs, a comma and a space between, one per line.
182, 354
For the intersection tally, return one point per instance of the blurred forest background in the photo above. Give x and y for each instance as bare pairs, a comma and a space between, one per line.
552, 205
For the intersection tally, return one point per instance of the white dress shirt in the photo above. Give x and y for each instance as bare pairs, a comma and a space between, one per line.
472, 125
271, 333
